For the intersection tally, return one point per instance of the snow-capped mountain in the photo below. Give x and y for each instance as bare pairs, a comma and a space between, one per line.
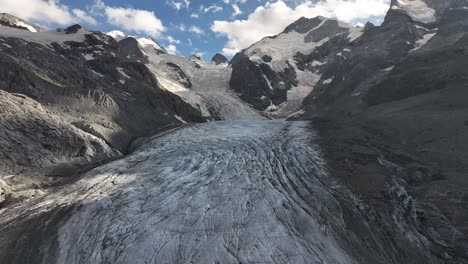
12, 21
378, 175
89, 82
148, 44
219, 59
271, 74
202, 84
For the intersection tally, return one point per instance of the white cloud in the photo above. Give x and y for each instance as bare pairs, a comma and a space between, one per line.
179, 4
83, 16
181, 27
136, 20
171, 49
39, 11
194, 15
274, 17
173, 40
212, 8
237, 10
199, 54
196, 30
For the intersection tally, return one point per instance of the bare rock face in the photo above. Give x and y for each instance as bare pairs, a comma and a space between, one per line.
219, 59
130, 48
399, 59
33, 138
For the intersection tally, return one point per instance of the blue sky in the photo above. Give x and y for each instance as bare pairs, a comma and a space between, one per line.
193, 26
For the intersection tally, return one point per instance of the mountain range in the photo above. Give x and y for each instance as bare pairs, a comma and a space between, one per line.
387, 104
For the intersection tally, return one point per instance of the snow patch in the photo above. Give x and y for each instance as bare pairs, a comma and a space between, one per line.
44, 38
88, 57
180, 119
122, 72
423, 41
328, 81
418, 10
117, 35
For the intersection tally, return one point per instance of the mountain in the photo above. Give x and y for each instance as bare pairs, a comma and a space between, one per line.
271, 74
219, 59
98, 90
394, 91
86, 79
369, 167
15, 22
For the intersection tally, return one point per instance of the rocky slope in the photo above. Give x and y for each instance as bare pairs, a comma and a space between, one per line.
400, 93
84, 101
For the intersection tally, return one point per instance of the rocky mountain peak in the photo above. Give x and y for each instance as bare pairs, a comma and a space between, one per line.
304, 25
150, 45
15, 22
73, 29
219, 59
425, 11
117, 35
196, 57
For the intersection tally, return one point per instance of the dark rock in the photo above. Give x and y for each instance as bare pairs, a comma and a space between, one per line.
304, 25
73, 29
219, 59
131, 49
329, 28
248, 81
181, 76
266, 58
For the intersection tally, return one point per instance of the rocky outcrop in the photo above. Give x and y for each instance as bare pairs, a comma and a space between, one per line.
258, 84
131, 49
219, 59
180, 75
27, 127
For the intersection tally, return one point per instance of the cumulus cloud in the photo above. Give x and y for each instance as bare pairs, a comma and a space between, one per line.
83, 16
171, 49
136, 20
181, 27
196, 30
274, 17
173, 40
50, 12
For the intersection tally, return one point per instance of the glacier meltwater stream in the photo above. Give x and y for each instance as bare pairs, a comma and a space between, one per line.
221, 192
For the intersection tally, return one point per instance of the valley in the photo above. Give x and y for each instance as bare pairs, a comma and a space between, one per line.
326, 143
